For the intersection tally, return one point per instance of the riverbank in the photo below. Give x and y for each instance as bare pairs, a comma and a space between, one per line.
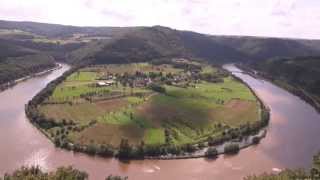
242, 139
290, 133
301, 93
244, 143
13, 83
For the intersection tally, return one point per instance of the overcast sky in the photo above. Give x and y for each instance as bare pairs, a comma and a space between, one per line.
279, 18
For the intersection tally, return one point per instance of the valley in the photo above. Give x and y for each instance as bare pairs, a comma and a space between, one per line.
157, 103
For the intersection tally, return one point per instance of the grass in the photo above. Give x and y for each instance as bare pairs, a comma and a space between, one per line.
83, 82
82, 76
81, 113
133, 68
154, 136
229, 89
189, 114
111, 134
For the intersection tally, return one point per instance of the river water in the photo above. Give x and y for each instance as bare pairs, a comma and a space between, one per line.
290, 142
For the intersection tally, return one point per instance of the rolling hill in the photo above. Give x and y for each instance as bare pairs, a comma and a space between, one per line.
148, 43
300, 75
98, 45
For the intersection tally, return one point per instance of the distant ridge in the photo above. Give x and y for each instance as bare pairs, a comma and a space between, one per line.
147, 43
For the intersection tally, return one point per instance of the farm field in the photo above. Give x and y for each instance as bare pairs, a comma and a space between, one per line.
179, 103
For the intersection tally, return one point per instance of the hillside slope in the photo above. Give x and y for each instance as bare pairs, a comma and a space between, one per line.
145, 44
78, 45
300, 75
13, 68
257, 48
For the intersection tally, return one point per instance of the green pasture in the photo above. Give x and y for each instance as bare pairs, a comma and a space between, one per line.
190, 114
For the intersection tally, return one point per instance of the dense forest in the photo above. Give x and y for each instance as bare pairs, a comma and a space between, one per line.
300, 75
22, 42
149, 43
13, 68
131, 44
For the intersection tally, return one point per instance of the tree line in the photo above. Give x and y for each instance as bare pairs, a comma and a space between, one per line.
61, 173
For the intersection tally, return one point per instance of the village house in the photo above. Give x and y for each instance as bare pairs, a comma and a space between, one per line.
106, 83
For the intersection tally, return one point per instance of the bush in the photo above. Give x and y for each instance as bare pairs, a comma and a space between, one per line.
231, 148
157, 88
111, 177
211, 152
189, 148
201, 145
35, 172
255, 140
125, 149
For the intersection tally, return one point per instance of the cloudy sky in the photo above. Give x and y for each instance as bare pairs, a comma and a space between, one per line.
279, 18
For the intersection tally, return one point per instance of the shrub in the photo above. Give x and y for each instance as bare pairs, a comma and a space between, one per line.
211, 152
35, 172
189, 148
125, 149
157, 88
255, 140
111, 177
231, 148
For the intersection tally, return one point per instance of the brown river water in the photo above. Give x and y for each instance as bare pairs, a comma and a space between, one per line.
291, 141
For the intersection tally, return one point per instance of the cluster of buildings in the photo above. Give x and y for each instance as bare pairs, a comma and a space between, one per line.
107, 80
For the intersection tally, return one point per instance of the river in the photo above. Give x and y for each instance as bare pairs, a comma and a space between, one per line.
290, 142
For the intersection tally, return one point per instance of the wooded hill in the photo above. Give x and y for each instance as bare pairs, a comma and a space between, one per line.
144, 44
97, 45
300, 75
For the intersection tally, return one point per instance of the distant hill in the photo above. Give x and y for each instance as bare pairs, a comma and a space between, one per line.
258, 48
56, 30
143, 44
8, 49
77, 45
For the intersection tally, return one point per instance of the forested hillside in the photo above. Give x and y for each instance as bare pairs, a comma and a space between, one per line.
300, 75
260, 49
56, 30
148, 43
13, 68
99, 45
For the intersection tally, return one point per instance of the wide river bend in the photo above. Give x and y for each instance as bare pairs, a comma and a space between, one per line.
290, 142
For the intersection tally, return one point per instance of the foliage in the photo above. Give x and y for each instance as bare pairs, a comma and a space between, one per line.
300, 75
231, 148
255, 140
36, 173
157, 88
111, 177
211, 152
13, 68
125, 149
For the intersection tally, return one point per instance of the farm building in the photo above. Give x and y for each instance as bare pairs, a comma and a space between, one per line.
106, 83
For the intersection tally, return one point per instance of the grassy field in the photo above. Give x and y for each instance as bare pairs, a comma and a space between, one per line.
188, 114
154, 136
132, 68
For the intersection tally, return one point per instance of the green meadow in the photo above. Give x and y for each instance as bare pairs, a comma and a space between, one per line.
182, 114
